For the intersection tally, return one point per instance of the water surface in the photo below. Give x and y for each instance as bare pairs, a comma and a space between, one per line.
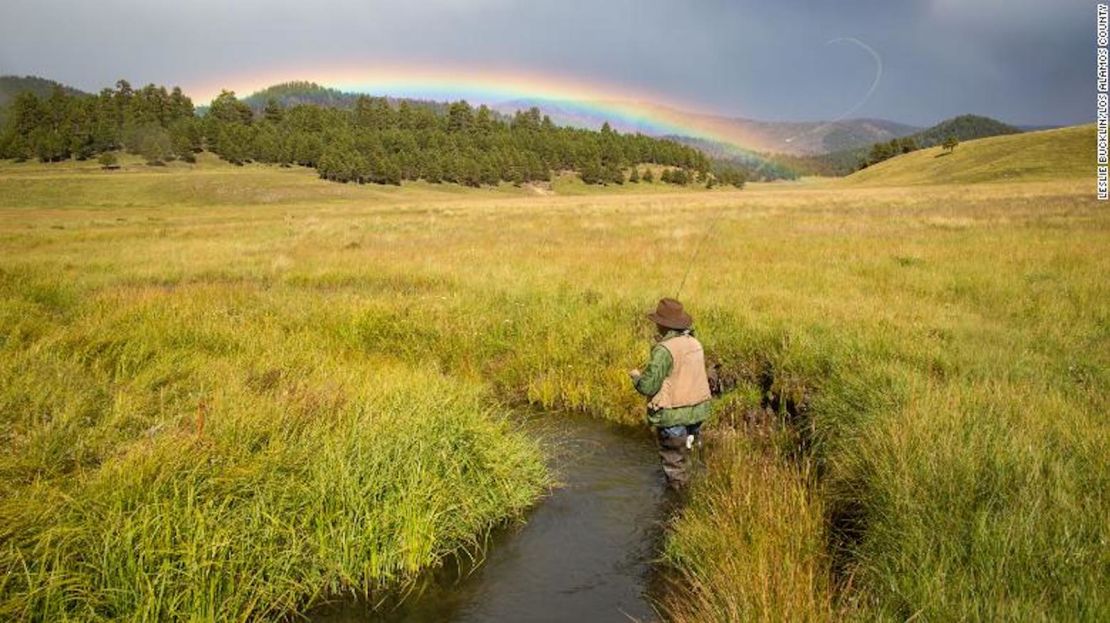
583, 554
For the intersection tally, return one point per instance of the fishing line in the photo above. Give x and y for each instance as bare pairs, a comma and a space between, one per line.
859, 104
870, 91
697, 249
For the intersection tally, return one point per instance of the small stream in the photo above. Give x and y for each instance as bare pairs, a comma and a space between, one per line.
583, 554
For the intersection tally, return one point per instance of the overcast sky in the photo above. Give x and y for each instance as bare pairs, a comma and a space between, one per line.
1023, 61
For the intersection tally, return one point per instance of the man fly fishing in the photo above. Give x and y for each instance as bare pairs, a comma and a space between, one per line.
676, 383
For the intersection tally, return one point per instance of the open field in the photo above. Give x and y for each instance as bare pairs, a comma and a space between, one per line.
226, 392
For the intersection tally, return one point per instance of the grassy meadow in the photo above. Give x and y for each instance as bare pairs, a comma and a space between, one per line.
228, 392
1046, 155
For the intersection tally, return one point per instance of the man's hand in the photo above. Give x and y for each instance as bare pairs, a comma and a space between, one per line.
634, 374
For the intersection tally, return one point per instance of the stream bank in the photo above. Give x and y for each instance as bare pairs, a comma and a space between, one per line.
582, 554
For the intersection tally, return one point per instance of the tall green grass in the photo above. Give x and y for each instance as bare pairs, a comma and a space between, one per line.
751, 543
162, 462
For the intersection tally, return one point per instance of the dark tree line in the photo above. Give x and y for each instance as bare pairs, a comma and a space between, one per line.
377, 141
383, 143
289, 94
151, 121
885, 151
898, 146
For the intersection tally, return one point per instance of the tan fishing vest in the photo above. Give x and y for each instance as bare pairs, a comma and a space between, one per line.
687, 384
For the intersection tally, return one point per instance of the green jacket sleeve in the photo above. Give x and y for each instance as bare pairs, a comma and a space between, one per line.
651, 380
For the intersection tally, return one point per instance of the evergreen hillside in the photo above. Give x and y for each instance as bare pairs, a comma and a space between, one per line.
11, 86
375, 141
299, 92
964, 128
852, 133
1031, 156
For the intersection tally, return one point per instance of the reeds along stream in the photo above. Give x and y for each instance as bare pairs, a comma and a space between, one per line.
583, 554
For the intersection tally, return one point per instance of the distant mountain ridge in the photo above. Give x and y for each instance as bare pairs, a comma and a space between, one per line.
11, 86
845, 161
785, 137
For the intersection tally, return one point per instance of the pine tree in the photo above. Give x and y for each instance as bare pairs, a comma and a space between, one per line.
273, 111
181, 107
592, 172
460, 117
234, 143
151, 141
226, 108
108, 160
880, 152
185, 138
483, 122
432, 171
390, 172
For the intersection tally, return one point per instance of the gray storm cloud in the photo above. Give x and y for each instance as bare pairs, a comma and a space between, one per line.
1021, 61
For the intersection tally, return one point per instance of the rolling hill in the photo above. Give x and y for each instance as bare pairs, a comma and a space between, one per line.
1065, 153
964, 128
304, 92
298, 92
10, 86
846, 161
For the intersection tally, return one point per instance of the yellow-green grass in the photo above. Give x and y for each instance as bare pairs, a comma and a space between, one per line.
211, 182
351, 346
1065, 153
751, 543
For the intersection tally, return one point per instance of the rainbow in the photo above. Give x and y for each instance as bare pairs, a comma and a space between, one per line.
623, 106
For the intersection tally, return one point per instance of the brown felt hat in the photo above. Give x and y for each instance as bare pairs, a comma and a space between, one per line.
670, 314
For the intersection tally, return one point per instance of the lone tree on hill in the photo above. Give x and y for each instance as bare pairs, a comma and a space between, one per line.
950, 143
